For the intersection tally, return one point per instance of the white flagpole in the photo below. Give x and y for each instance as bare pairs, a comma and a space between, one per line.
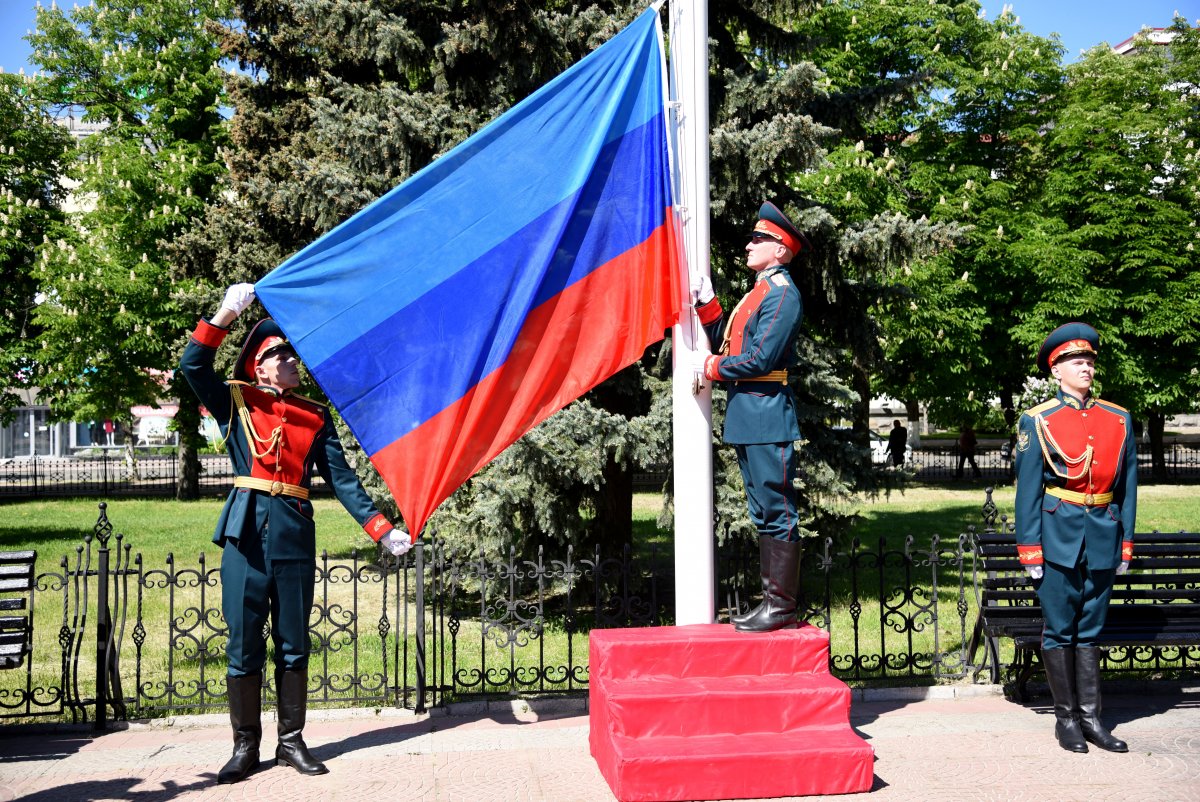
691, 396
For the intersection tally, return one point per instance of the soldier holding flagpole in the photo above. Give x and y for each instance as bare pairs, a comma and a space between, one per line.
758, 344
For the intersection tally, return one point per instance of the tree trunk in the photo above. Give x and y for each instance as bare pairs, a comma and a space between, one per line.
622, 394
187, 425
1007, 394
860, 381
1158, 457
614, 508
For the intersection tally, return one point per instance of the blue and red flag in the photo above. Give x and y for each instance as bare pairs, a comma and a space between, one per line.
500, 283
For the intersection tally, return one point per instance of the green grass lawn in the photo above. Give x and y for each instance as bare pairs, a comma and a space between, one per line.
158, 527
155, 527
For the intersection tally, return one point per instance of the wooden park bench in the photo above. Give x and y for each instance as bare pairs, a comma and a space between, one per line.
16, 606
1157, 603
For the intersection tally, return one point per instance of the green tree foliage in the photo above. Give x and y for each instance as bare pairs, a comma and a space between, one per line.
147, 76
33, 151
974, 158
1122, 199
812, 102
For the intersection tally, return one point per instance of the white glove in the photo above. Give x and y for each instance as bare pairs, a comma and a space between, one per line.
696, 359
702, 291
1034, 571
238, 297
1122, 567
397, 541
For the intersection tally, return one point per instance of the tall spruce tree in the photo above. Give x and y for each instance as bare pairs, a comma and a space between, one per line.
812, 103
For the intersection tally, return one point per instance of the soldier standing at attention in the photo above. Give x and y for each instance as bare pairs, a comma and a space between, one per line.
268, 564
1075, 509
758, 345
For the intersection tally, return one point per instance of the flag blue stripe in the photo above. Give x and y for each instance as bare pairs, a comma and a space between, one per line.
430, 353
469, 203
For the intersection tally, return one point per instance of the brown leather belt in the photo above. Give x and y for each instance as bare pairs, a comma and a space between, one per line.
780, 376
274, 488
1086, 499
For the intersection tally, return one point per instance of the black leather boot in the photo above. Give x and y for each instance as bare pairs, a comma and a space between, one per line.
292, 688
1060, 673
778, 610
245, 708
764, 561
1087, 691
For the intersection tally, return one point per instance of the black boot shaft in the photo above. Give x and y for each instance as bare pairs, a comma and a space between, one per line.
292, 688
778, 610
764, 563
1060, 675
245, 716
1087, 682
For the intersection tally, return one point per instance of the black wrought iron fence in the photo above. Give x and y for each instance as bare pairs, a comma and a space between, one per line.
116, 638
111, 473
937, 463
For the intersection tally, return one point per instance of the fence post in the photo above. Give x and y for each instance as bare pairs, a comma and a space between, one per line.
103, 621
420, 591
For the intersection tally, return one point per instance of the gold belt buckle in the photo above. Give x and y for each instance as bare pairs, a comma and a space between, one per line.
277, 488
1089, 499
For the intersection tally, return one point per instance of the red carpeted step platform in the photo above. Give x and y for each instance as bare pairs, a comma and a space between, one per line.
705, 712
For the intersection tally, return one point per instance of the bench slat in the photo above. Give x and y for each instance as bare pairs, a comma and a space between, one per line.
15, 585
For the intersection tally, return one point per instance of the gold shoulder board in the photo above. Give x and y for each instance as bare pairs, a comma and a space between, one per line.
1111, 405
1045, 406
312, 401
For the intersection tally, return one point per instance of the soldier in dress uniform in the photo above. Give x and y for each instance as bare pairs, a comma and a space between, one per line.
1075, 509
757, 346
274, 439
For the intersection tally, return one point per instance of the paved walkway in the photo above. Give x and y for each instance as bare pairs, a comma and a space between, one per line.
965, 743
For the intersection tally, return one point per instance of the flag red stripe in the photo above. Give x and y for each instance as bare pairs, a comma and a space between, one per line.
568, 345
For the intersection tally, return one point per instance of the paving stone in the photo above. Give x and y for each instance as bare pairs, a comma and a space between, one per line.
968, 746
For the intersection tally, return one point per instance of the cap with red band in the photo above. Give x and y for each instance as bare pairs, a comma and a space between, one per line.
775, 224
265, 335
1068, 340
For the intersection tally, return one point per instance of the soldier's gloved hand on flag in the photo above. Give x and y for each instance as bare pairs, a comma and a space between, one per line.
1034, 571
702, 291
238, 297
397, 541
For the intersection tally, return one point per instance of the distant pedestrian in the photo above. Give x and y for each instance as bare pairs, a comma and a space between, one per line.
897, 443
967, 441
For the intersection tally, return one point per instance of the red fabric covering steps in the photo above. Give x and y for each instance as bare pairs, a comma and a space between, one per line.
704, 712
